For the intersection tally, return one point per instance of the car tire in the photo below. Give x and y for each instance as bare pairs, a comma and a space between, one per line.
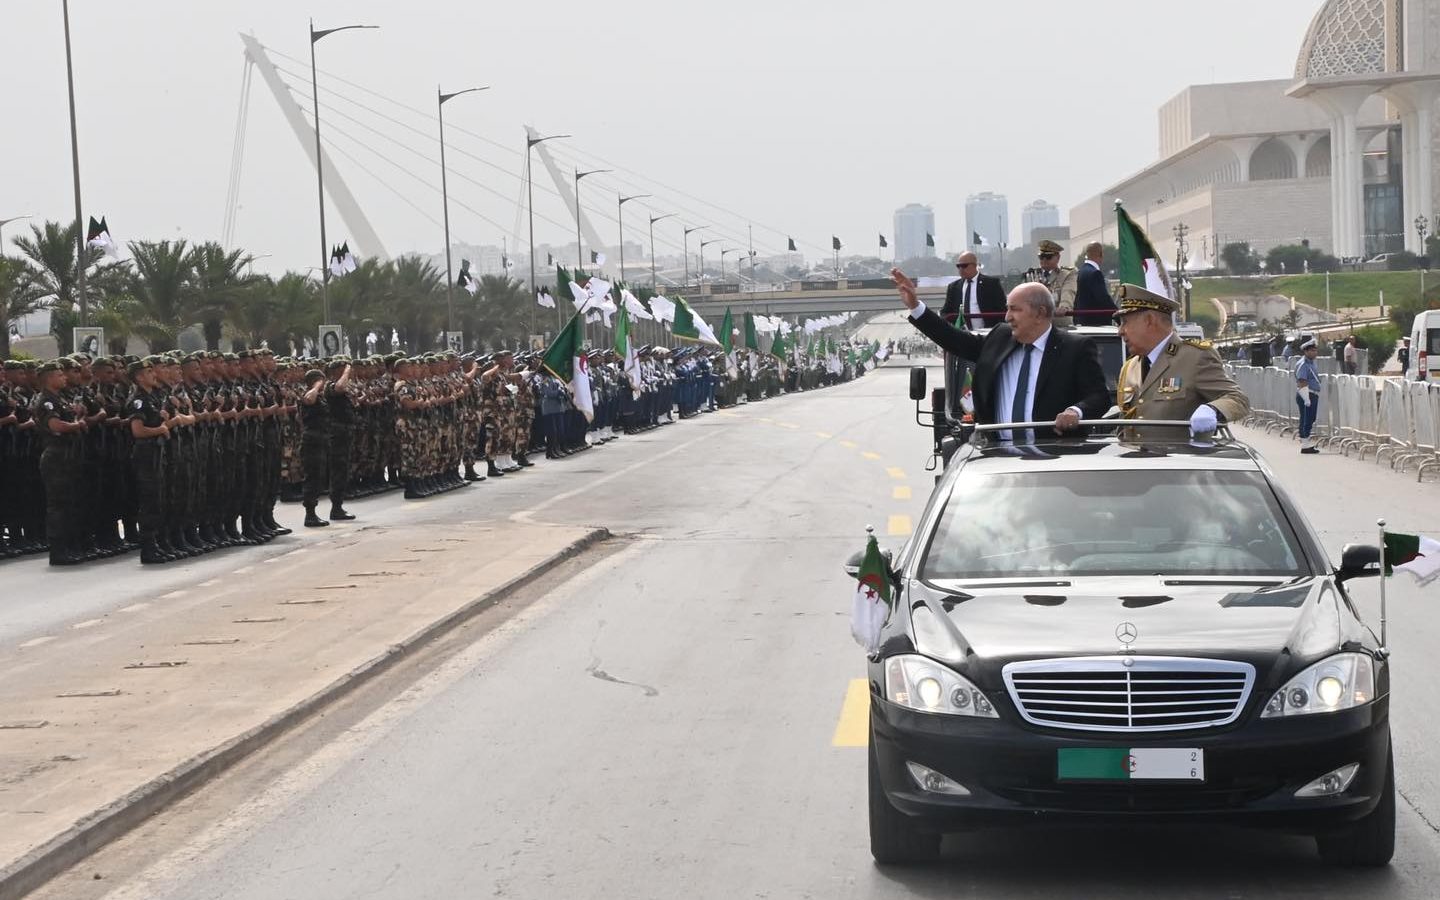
894, 837
1369, 842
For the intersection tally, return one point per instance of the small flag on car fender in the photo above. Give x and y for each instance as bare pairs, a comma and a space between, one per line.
1413, 553
871, 606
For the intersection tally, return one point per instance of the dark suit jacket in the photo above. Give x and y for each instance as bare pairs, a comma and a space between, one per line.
991, 295
1070, 373
1093, 303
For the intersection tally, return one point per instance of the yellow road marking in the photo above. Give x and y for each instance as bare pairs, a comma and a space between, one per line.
869, 455
793, 425
850, 444
768, 419
899, 525
897, 474
824, 434
901, 492
853, 729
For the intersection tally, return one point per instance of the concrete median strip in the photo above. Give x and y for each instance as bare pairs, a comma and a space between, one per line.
95, 772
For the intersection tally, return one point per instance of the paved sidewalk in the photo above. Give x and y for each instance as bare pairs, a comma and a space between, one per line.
116, 716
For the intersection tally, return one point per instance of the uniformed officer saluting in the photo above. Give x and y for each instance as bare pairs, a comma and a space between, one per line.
1169, 378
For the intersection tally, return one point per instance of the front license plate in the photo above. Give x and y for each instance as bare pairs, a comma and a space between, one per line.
1131, 764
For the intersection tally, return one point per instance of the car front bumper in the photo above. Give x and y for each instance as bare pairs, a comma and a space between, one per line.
1252, 770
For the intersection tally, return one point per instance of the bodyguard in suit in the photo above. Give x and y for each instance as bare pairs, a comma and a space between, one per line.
1093, 304
1169, 378
1025, 370
975, 301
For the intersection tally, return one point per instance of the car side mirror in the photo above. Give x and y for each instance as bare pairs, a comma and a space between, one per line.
852, 565
917, 382
1358, 561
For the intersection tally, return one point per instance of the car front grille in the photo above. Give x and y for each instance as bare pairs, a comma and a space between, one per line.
1129, 693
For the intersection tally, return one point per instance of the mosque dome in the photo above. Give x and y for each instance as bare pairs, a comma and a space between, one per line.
1347, 37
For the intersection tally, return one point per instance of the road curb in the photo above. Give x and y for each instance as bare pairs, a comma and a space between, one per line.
113, 820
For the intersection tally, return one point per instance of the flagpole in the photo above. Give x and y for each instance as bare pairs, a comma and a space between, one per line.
445, 202
75, 166
620, 221
1384, 641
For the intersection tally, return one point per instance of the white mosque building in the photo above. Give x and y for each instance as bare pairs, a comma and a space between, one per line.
1341, 155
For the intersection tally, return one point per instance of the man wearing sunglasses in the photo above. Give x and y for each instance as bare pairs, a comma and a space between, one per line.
975, 301
1061, 280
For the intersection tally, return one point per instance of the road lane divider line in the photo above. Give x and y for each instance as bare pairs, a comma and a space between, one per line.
901, 492
849, 445
899, 526
870, 454
853, 729
897, 474
824, 434
35, 642
88, 623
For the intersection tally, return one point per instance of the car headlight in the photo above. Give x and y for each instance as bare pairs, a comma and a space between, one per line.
921, 684
1342, 681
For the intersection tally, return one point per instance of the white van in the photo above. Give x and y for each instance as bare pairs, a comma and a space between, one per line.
1425, 347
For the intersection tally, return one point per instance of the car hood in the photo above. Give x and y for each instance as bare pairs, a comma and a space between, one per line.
1244, 622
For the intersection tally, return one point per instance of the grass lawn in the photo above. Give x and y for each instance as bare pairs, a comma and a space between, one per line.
1346, 288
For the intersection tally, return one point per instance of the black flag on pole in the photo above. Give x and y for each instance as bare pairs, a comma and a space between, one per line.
549, 259
834, 242
929, 239
976, 239
792, 244
883, 242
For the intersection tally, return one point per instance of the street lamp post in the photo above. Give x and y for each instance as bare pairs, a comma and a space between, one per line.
723, 251
1422, 227
579, 248
75, 167
530, 142
654, 284
620, 219
703, 245
440, 98
1182, 249
686, 250
315, 37
3, 223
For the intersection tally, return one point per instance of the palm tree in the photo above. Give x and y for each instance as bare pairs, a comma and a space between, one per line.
502, 312
118, 314
417, 301
218, 284
163, 285
297, 310
52, 275
358, 300
15, 300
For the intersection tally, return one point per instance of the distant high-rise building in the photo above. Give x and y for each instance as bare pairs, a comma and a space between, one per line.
1038, 214
913, 223
988, 215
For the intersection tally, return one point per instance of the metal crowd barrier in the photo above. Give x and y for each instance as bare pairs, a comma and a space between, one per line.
1395, 420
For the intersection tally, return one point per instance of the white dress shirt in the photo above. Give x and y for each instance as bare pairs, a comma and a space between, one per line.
970, 293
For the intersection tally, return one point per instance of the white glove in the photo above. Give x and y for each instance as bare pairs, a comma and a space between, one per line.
1203, 420
1304, 395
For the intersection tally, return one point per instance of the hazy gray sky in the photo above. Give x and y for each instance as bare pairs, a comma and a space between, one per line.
807, 118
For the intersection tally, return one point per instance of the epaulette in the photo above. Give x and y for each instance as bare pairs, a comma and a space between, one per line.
1203, 345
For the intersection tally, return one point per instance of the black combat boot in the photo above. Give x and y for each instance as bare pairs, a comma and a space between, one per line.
524, 460
250, 533
280, 530
312, 520
232, 534
412, 490
150, 554
491, 469
338, 514
470, 473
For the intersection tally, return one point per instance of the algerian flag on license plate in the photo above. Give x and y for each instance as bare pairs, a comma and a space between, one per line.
1131, 764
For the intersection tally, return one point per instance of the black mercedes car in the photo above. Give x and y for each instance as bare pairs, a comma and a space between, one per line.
1101, 630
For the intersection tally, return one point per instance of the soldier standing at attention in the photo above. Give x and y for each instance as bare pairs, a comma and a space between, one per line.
1167, 378
1061, 280
60, 425
149, 431
314, 442
342, 423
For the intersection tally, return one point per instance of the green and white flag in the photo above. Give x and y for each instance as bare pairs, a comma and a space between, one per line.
727, 325
1413, 553
625, 349
566, 360
1140, 265
779, 347
689, 326
752, 338
871, 606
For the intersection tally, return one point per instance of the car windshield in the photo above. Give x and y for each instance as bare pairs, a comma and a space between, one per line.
1136, 522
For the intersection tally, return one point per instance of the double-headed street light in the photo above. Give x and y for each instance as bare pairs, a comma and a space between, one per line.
723, 251
530, 143
4, 222
441, 97
580, 250
653, 219
620, 209
315, 37
687, 250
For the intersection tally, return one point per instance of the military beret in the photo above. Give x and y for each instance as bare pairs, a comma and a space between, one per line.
103, 362
16, 364
1050, 247
502, 352
314, 375
136, 365
197, 356
50, 365
1133, 298
80, 357
230, 357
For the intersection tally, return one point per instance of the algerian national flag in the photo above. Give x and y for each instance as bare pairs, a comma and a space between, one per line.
727, 325
98, 236
663, 309
566, 361
779, 347
689, 326
625, 349
544, 299
871, 606
752, 340
1413, 553
1139, 263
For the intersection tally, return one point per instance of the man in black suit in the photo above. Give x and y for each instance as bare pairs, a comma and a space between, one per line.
1093, 303
1025, 370
975, 301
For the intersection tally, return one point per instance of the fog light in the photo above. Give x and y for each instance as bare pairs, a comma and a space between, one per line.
1331, 783
935, 783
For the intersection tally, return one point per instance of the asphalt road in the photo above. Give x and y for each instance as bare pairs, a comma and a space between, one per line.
660, 720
